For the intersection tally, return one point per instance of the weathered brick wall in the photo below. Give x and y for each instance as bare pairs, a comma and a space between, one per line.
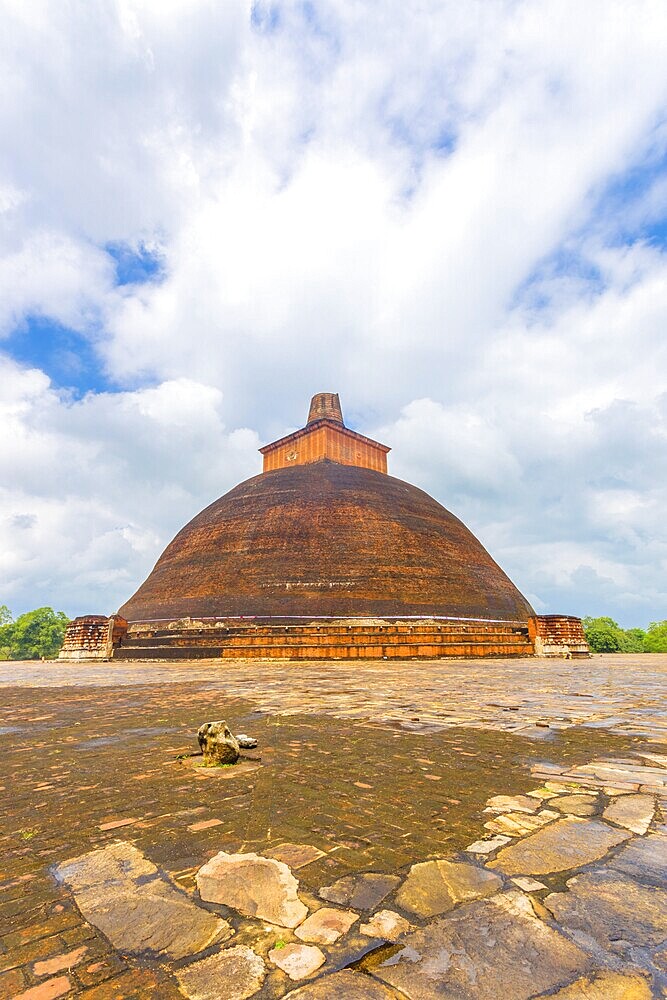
326, 539
92, 637
560, 635
325, 440
335, 639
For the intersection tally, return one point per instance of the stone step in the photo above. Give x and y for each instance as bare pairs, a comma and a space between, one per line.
167, 652
282, 633
391, 652
302, 651
223, 632
325, 639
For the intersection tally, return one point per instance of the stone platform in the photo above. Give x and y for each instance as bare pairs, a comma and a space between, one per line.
96, 637
424, 808
343, 640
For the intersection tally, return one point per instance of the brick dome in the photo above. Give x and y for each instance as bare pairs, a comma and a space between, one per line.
326, 538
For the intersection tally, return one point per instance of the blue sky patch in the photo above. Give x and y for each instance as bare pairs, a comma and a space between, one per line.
633, 206
265, 17
135, 265
566, 263
68, 358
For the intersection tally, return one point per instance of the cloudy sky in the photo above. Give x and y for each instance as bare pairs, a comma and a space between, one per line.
454, 214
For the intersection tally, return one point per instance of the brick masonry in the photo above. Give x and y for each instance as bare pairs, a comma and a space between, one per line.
560, 635
92, 637
325, 436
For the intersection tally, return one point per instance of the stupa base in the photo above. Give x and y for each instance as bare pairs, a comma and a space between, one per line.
322, 639
331, 639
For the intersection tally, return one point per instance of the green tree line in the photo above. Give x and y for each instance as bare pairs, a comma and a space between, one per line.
33, 635
604, 635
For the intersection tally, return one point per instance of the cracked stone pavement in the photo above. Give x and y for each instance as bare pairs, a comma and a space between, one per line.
448, 829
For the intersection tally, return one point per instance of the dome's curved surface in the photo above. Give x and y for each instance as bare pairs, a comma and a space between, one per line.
326, 539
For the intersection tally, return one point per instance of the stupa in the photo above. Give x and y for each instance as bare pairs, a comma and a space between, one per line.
326, 556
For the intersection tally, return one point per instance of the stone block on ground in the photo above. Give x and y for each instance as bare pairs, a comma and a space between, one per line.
386, 924
119, 891
605, 986
235, 974
295, 855
619, 773
644, 858
656, 758
518, 824
326, 925
612, 909
488, 846
527, 884
360, 892
633, 812
659, 959
575, 805
541, 793
60, 963
562, 787
217, 744
487, 949
49, 990
434, 887
512, 803
253, 885
568, 843
297, 960
345, 985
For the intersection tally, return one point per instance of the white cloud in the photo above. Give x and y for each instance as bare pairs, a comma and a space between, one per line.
94, 488
361, 199
55, 276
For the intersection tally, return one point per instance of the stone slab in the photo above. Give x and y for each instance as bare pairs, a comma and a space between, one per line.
235, 974
326, 925
122, 893
59, 963
612, 909
659, 959
544, 794
511, 803
360, 892
488, 846
611, 774
386, 924
297, 960
568, 843
528, 884
346, 985
253, 885
605, 986
576, 805
434, 887
645, 859
519, 824
295, 855
491, 948
657, 758
633, 812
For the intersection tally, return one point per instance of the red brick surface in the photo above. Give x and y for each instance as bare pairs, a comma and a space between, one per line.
326, 539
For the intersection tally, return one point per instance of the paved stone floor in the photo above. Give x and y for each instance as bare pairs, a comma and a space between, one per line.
558, 768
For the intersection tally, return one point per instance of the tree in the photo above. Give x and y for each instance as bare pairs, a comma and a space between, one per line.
634, 641
603, 635
33, 635
656, 637
6, 625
